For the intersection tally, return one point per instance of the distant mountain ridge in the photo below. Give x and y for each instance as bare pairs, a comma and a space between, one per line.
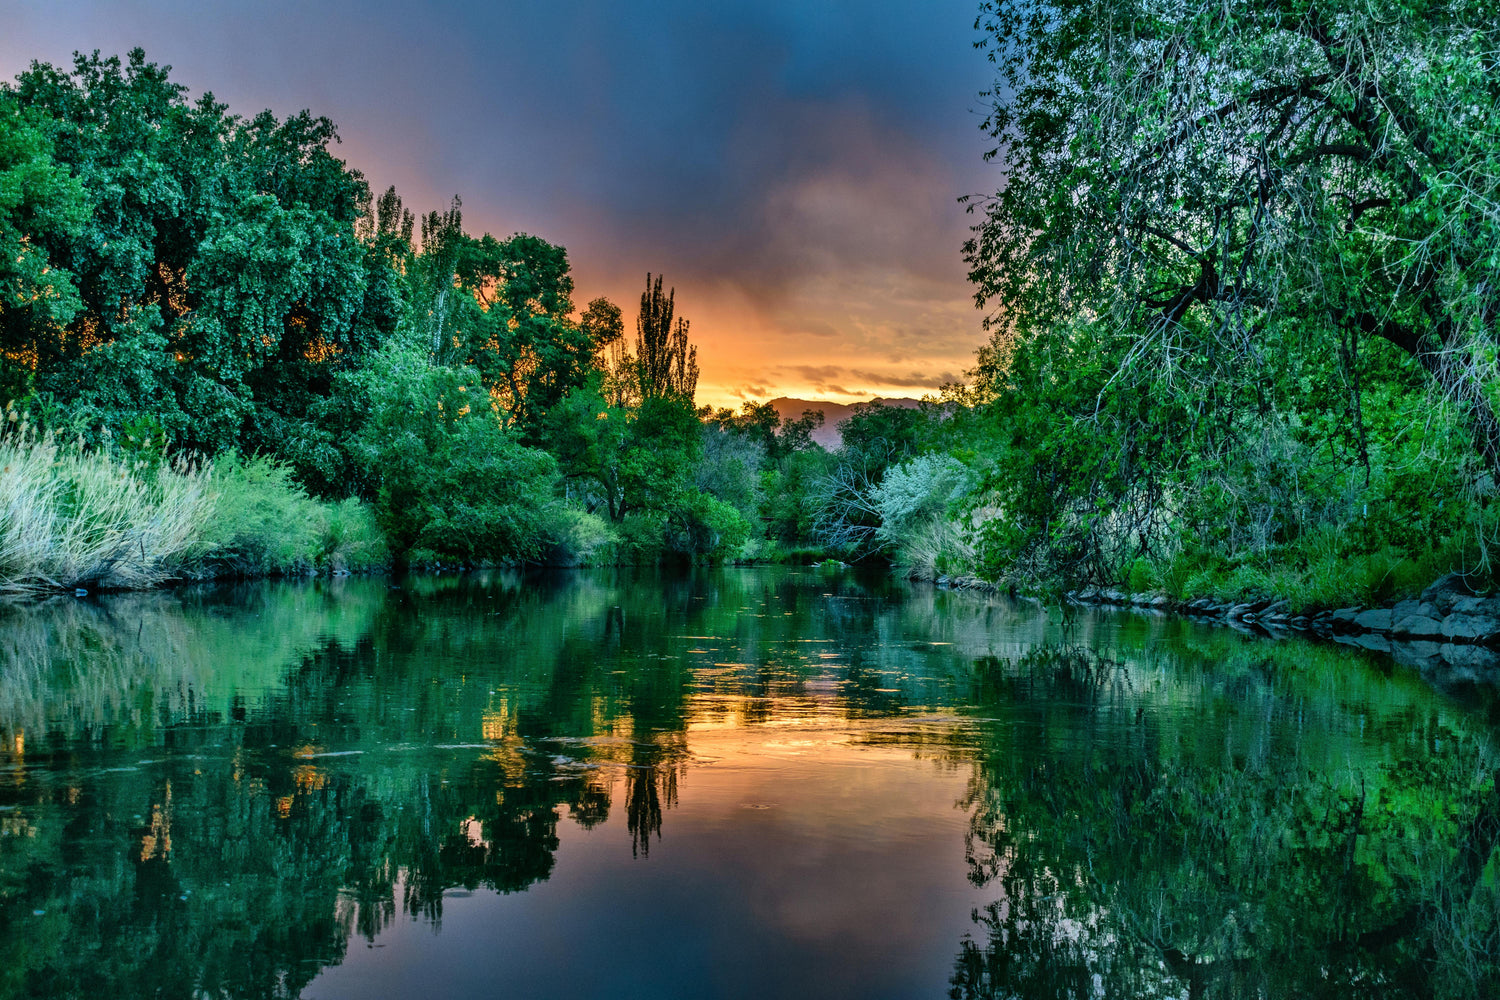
833, 414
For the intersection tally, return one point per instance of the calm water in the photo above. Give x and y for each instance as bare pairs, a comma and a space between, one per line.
738, 783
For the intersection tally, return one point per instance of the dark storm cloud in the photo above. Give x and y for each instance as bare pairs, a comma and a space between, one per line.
791, 160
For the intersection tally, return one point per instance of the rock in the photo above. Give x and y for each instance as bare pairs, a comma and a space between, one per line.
1301, 621
1113, 596
1089, 595
1239, 611
1374, 621
1466, 605
1405, 609
1140, 600
1447, 589
1469, 628
1161, 601
1416, 626
1343, 616
1275, 609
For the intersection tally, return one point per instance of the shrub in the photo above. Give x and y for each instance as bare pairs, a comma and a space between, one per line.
354, 542
704, 527
262, 523
580, 538
453, 482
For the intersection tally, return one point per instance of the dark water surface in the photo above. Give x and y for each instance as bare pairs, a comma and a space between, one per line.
736, 783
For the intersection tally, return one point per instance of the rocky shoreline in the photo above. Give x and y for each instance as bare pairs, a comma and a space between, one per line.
1449, 633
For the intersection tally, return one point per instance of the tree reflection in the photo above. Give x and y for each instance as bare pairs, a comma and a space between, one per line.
1135, 864
651, 785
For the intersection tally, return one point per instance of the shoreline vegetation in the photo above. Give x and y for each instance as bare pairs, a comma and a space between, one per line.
1236, 388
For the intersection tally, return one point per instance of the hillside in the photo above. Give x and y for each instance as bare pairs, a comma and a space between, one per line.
833, 414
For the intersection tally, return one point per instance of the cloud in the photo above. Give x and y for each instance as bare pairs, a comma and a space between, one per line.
792, 168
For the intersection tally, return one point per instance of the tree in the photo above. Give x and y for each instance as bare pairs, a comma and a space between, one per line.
451, 480
219, 281
40, 205
666, 364
1222, 185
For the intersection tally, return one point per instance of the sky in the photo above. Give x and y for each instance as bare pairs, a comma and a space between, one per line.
793, 168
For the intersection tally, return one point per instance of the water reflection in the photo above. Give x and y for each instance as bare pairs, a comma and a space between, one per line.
1286, 854
218, 792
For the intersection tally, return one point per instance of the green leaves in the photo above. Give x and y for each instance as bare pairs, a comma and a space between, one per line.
40, 203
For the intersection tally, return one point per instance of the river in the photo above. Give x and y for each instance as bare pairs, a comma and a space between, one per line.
747, 783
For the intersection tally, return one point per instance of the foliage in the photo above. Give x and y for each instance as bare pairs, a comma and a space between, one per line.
666, 364
918, 502
1236, 269
71, 517
218, 275
80, 517
453, 481
263, 523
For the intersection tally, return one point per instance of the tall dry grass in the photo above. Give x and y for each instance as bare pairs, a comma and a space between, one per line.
74, 517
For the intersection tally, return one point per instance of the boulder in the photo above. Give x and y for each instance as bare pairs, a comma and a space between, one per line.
1343, 617
1416, 626
1447, 589
1239, 611
1378, 620
1466, 605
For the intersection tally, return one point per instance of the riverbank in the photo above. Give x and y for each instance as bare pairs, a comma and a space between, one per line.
1449, 633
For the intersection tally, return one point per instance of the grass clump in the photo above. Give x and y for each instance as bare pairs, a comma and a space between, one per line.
77, 517
71, 517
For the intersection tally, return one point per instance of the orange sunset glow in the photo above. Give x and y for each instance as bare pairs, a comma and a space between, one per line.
800, 195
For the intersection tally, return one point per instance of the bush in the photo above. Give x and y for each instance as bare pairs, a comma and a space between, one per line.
354, 542
702, 527
263, 522
917, 501
580, 538
454, 484
641, 537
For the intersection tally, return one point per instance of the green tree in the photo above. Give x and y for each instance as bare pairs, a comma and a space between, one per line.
41, 205
452, 481
1224, 184
666, 364
219, 278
